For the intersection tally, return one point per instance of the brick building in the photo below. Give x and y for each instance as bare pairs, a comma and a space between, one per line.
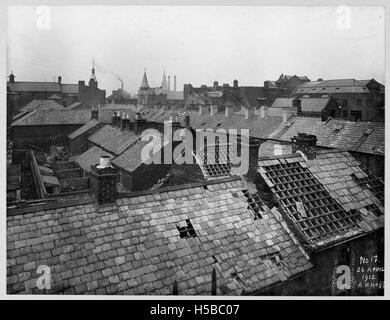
20, 93
234, 96
364, 140
356, 99
283, 86
163, 95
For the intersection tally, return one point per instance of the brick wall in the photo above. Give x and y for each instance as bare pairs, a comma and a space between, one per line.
321, 280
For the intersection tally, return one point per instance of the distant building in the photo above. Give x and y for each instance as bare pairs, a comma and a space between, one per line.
20, 93
163, 95
356, 99
221, 96
283, 86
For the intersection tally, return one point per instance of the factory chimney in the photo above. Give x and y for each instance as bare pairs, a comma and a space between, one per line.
174, 83
169, 83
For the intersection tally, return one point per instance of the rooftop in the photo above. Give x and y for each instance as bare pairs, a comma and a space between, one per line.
361, 136
144, 243
113, 139
91, 124
332, 86
91, 157
41, 105
64, 117
322, 198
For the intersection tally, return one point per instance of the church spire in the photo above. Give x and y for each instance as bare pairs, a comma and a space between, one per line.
144, 84
93, 76
164, 84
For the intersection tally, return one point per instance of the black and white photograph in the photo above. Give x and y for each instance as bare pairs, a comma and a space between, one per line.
195, 150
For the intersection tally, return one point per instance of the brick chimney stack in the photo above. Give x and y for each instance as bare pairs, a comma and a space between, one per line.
306, 143
227, 111
263, 111
95, 112
213, 110
186, 120
169, 83
249, 112
59, 79
174, 83
103, 181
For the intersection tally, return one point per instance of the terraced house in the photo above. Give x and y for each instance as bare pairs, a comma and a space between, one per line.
283, 230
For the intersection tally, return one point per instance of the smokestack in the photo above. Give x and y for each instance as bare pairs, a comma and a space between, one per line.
174, 83
169, 83
59, 79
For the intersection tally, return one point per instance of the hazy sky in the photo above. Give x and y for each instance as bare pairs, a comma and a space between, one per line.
198, 44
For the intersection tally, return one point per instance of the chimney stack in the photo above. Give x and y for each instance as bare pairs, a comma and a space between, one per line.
116, 119
213, 110
253, 160
202, 109
95, 112
215, 85
235, 83
263, 111
186, 120
103, 181
59, 79
174, 83
169, 83
306, 143
139, 123
249, 112
227, 111
288, 112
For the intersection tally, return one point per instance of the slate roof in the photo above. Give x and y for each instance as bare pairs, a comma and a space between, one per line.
42, 105
91, 157
135, 247
259, 128
113, 139
61, 117
91, 124
314, 104
21, 86
34, 86
283, 103
321, 198
335, 133
332, 86
131, 159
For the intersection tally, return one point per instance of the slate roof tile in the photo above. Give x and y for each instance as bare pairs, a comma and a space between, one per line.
329, 193
142, 258
351, 137
113, 139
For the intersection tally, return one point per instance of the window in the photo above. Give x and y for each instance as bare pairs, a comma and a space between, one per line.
345, 103
356, 115
187, 231
345, 114
359, 102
